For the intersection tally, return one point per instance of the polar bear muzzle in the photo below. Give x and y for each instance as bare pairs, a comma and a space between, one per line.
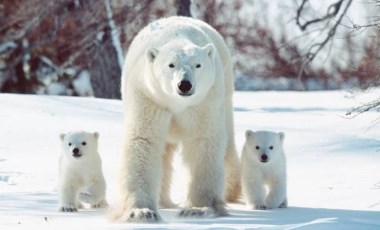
264, 158
184, 88
185, 85
76, 153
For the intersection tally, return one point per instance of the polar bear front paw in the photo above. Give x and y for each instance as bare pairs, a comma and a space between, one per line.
194, 212
143, 215
68, 208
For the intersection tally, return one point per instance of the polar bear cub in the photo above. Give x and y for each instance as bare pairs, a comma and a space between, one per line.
80, 172
264, 170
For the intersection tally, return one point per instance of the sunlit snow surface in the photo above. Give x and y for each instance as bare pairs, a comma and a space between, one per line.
333, 162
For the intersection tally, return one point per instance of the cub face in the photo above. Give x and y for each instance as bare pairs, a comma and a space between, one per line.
79, 145
264, 145
183, 71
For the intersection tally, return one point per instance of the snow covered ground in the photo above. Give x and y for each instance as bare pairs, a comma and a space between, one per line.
333, 162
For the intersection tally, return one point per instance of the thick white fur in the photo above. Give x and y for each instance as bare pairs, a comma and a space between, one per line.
80, 178
158, 120
264, 183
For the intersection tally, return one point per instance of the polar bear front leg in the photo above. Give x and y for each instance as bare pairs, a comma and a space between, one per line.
141, 169
254, 191
95, 194
68, 198
204, 159
140, 182
277, 194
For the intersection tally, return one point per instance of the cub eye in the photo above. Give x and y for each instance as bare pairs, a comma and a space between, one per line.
84, 143
198, 66
257, 147
69, 144
270, 147
171, 65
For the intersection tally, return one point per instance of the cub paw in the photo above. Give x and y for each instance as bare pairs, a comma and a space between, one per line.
143, 215
68, 208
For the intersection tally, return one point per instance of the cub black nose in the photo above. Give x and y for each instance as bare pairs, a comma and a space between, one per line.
264, 158
184, 86
75, 150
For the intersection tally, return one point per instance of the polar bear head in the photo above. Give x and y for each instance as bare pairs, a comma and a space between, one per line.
265, 146
80, 144
181, 71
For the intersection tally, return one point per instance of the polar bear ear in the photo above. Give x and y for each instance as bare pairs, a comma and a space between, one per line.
151, 54
96, 135
62, 136
248, 133
282, 136
210, 50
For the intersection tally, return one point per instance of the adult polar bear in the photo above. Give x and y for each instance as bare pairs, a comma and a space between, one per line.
177, 86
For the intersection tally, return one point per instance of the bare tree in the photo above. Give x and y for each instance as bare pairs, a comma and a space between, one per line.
68, 36
44, 42
67, 33
332, 11
256, 49
335, 12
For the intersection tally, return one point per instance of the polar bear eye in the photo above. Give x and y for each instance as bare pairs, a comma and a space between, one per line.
257, 147
198, 66
84, 143
271, 147
171, 65
69, 144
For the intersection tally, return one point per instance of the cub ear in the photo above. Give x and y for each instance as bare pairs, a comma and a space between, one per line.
151, 54
96, 135
248, 133
62, 136
210, 50
282, 136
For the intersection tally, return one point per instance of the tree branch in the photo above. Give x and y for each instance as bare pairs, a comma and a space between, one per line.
363, 108
332, 11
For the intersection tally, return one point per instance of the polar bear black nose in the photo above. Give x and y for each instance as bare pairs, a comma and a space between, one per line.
75, 150
264, 158
184, 86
